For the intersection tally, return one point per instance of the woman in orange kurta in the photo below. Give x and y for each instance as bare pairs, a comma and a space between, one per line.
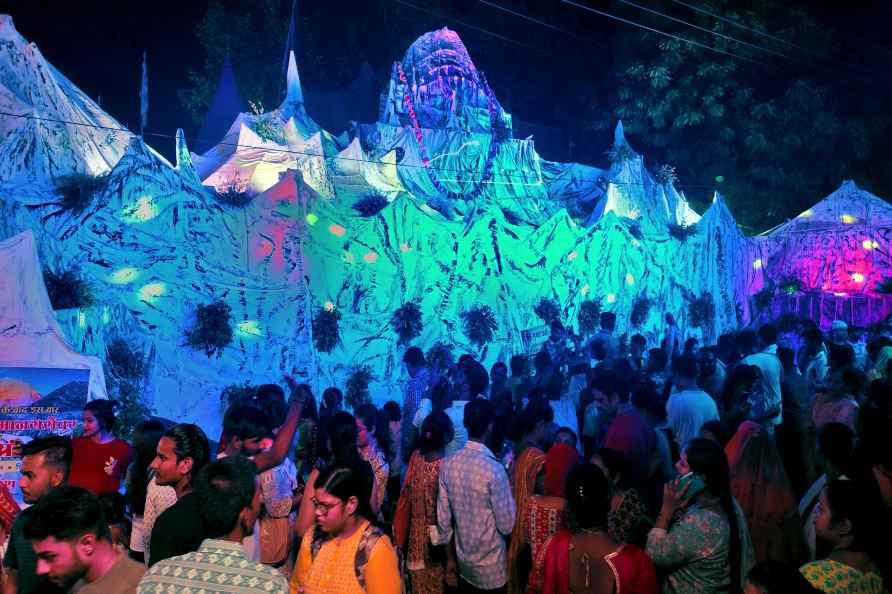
528, 466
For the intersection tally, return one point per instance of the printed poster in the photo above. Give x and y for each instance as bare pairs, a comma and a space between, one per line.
36, 401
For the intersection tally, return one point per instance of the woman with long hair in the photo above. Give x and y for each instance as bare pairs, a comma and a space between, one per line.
145, 443
530, 432
372, 440
847, 522
346, 552
426, 563
707, 548
99, 460
760, 486
546, 510
341, 437
583, 558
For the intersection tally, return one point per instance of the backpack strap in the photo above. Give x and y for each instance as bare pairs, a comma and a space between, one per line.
364, 551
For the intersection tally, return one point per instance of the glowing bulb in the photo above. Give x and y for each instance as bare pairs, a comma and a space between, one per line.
584, 289
857, 277
571, 256
757, 264
249, 328
336, 230
807, 213
370, 257
329, 306
152, 291
611, 297
124, 276
840, 294
312, 219
869, 244
847, 219
630, 280
636, 243
404, 247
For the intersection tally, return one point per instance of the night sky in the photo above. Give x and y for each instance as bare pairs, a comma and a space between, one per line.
99, 44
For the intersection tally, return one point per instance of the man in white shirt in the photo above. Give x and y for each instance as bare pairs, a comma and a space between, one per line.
689, 407
768, 410
469, 381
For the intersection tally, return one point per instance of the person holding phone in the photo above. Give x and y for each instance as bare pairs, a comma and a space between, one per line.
700, 539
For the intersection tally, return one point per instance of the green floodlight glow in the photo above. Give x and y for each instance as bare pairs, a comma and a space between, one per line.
144, 209
312, 219
249, 328
106, 315
719, 179
123, 276
152, 291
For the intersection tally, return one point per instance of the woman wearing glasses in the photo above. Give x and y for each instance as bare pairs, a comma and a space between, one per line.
346, 552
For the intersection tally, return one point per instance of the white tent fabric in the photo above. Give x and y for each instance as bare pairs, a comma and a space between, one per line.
29, 334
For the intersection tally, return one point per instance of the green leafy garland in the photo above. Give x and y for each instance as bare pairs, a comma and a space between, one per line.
479, 325
67, 290
357, 386
326, 329
212, 331
406, 322
547, 310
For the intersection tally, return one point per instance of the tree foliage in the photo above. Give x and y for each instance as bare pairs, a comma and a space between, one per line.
781, 136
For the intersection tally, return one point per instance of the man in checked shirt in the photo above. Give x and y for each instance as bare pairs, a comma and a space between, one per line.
475, 504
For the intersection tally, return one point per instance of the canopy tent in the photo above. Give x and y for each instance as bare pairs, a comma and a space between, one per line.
29, 333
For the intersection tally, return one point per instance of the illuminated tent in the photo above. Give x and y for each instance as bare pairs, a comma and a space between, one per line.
831, 258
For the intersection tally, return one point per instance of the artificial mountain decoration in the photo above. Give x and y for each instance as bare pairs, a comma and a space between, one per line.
67, 290
479, 325
212, 331
76, 191
406, 322
681, 232
326, 329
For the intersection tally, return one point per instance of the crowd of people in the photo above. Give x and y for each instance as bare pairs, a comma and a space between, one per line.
762, 463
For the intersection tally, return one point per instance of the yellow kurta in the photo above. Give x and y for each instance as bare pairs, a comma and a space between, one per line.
333, 570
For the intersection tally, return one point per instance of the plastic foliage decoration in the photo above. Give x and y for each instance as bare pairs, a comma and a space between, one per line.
125, 373
479, 325
326, 329
76, 191
233, 194
634, 228
406, 322
264, 124
790, 285
681, 232
589, 317
356, 391
67, 290
238, 394
640, 309
370, 205
439, 357
762, 300
884, 287
547, 310
701, 311
666, 174
212, 331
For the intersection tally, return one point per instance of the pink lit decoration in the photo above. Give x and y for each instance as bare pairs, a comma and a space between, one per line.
336, 230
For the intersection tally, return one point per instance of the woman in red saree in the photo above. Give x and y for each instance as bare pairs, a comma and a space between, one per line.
584, 558
760, 485
527, 468
545, 513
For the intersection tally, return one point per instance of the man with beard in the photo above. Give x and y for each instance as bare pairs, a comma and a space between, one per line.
228, 502
45, 465
74, 550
